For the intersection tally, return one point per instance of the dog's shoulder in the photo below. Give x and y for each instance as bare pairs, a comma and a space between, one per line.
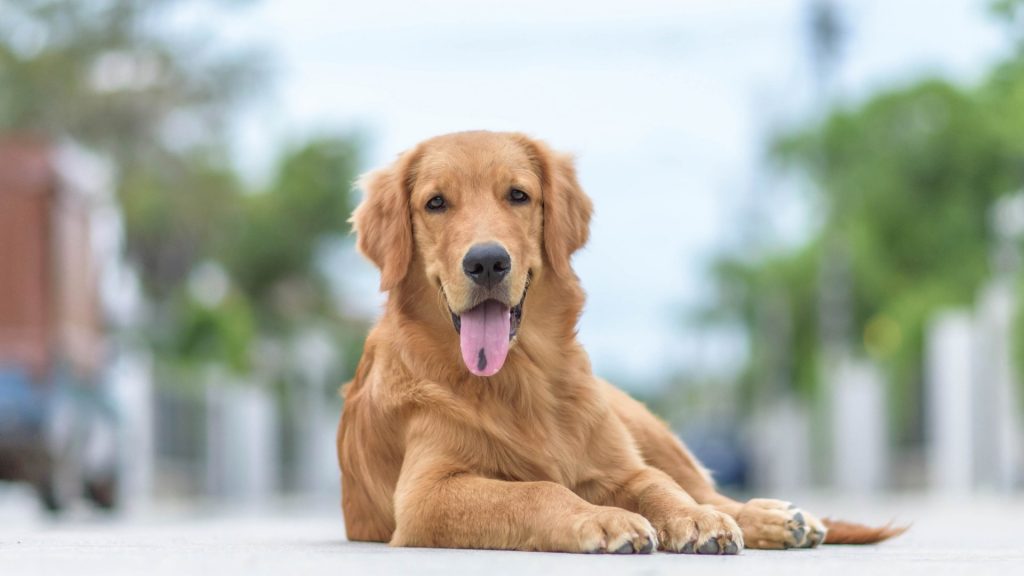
386, 384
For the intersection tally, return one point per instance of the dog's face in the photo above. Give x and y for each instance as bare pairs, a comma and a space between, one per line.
480, 215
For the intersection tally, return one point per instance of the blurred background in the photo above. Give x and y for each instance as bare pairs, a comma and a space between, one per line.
837, 188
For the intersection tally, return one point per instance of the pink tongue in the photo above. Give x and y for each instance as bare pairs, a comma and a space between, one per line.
484, 337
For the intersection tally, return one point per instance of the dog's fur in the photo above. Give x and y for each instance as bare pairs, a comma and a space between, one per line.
543, 455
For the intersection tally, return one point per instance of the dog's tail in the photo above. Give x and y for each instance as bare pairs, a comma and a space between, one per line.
842, 532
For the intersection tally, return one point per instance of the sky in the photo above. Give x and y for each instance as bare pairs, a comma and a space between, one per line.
667, 105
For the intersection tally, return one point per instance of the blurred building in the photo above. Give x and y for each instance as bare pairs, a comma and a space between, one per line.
57, 425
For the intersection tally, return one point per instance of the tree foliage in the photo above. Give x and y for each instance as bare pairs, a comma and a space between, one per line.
277, 232
906, 181
159, 101
112, 76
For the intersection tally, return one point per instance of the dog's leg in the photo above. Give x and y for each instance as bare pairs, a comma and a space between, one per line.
766, 523
437, 504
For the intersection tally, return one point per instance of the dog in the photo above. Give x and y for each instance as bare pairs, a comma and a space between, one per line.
474, 419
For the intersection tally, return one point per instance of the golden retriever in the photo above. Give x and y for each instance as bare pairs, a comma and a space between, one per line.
474, 420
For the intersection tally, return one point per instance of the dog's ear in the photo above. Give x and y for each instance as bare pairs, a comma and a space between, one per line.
567, 208
383, 222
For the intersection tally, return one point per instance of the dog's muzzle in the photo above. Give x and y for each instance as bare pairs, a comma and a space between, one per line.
486, 331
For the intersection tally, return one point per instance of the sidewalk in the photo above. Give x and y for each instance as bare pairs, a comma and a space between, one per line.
979, 537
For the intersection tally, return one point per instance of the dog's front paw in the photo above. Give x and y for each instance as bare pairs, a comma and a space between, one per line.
700, 530
614, 530
775, 524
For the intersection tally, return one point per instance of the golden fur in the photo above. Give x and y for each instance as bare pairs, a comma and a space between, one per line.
543, 455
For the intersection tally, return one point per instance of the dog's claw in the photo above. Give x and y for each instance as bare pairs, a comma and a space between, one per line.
626, 548
709, 547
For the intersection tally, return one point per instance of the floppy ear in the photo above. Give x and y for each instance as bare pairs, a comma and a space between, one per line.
383, 223
567, 209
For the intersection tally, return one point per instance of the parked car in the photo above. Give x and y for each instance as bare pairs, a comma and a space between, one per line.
59, 436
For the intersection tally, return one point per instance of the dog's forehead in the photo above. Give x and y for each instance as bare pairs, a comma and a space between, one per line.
472, 156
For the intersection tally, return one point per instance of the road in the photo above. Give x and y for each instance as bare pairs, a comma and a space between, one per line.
977, 537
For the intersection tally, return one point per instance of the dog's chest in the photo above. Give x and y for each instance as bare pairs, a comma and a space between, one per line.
547, 442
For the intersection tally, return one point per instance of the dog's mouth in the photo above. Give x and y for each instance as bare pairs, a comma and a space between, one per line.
486, 331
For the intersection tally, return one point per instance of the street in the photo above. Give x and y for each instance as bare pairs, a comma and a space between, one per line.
977, 537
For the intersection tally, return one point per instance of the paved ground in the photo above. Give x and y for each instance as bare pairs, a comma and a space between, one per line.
979, 537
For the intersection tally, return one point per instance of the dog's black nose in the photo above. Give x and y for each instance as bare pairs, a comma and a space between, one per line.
486, 264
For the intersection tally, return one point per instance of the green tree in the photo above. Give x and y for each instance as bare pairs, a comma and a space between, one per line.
159, 101
111, 75
278, 232
906, 180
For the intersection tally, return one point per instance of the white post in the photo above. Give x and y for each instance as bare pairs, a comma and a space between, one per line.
313, 354
242, 440
949, 373
131, 384
859, 430
996, 449
781, 456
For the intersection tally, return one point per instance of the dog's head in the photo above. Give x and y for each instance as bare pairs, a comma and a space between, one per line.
480, 215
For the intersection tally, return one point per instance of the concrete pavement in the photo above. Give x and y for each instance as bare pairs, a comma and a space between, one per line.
977, 537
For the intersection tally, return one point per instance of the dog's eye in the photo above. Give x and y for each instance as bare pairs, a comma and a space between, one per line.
517, 196
436, 204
